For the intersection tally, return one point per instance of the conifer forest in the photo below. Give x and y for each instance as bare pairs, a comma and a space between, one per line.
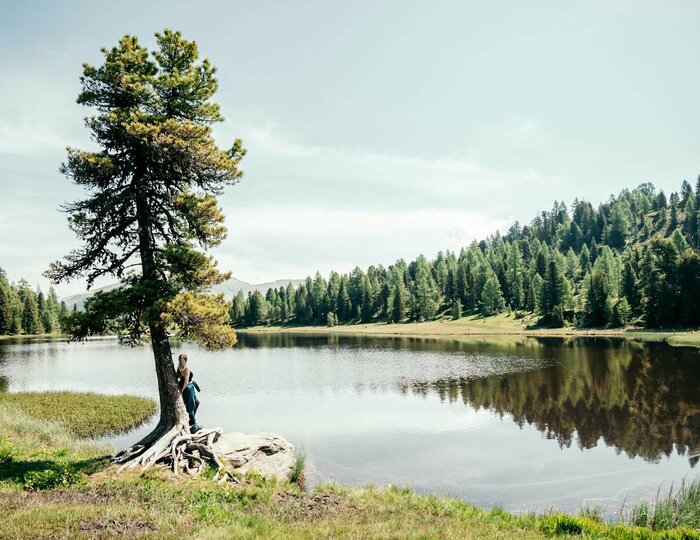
633, 260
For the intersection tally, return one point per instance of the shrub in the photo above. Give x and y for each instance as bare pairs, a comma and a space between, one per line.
6, 451
59, 476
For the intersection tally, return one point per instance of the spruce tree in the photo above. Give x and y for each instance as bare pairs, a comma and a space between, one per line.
238, 308
344, 306
541, 263
63, 315
618, 228
367, 309
630, 288
597, 299
31, 321
425, 292
554, 289
584, 258
399, 302
686, 191
456, 309
515, 277
673, 222
5, 309
689, 288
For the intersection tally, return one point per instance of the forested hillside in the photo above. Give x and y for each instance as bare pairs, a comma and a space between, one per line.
632, 260
27, 311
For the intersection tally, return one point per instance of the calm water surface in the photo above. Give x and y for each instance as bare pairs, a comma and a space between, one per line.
525, 423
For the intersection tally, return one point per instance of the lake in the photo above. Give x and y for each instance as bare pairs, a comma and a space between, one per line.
522, 423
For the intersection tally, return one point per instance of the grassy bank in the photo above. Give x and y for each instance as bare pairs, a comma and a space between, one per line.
28, 336
53, 484
475, 325
83, 414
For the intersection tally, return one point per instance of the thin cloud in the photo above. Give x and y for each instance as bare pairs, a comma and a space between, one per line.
270, 242
448, 176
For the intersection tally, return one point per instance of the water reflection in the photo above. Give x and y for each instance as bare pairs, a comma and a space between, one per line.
641, 399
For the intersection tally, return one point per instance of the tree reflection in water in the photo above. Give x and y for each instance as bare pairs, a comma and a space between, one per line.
642, 399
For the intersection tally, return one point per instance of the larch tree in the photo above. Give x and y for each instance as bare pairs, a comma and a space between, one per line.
492, 301
151, 210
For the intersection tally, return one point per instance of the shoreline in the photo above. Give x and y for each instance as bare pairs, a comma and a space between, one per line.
5, 337
475, 327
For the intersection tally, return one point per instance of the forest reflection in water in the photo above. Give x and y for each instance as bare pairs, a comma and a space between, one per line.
643, 399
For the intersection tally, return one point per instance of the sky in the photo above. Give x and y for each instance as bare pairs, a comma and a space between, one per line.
376, 130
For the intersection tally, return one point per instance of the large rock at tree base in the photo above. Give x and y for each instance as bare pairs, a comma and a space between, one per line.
267, 454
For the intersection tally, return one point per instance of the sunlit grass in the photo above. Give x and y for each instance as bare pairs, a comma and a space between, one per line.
84, 414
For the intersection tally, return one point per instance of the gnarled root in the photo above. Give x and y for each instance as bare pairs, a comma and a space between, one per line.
179, 450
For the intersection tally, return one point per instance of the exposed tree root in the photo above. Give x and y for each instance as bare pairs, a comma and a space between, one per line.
178, 450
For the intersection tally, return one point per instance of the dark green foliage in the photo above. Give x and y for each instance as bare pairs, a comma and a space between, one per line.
5, 308
597, 299
556, 319
399, 304
554, 290
630, 288
456, 310
673, 222
343, 301
618, 228
60, 475
31, 323
425, 291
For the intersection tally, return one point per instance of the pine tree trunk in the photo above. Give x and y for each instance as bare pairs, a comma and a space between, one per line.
172, 408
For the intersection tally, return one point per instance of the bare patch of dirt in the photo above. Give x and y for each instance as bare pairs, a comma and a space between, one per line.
312, 506
126, 528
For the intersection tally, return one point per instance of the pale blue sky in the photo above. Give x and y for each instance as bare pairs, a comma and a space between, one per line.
376, 130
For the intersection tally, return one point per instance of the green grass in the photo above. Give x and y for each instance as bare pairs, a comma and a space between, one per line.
84, 414
40, 454
53, 484
297, 476
678, 508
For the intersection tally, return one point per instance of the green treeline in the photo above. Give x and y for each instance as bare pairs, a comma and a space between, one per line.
633, 260
27, 311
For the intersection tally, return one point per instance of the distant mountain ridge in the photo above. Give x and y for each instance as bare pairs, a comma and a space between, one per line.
228, 288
